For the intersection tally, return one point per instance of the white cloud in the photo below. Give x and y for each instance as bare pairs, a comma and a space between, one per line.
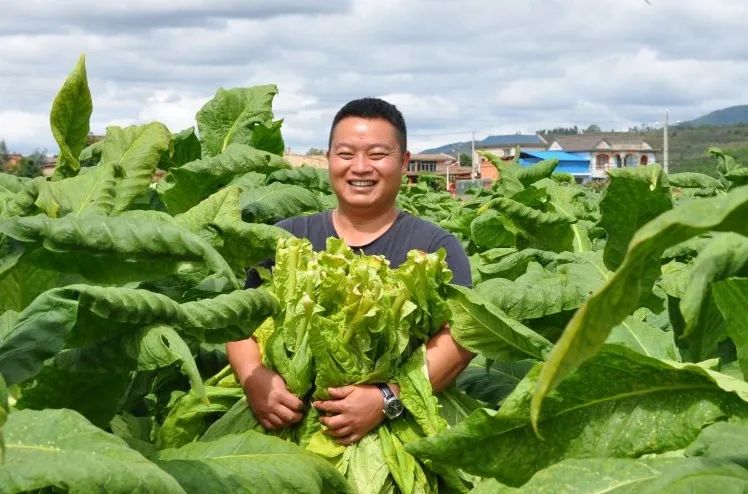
487, 66
20, 126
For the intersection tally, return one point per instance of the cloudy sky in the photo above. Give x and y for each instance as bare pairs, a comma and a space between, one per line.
452, 67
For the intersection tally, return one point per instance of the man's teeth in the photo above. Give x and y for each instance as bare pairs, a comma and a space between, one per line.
361, 183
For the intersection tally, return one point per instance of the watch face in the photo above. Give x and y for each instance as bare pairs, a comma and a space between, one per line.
393, 408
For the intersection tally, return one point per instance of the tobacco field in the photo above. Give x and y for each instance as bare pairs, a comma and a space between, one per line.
610, 324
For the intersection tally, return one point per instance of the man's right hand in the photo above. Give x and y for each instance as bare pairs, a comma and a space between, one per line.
273, 405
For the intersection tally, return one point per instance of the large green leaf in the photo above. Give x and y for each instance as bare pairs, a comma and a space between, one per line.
12, 183
725, 256
250, 462
20, 285
3, 416
277, 201
187, 185
218, 218
488, 231
482, 327
92, 380
83, 314
71, 111
618, 404
233, 115
94, 393
540, 291
572, 201
644, 338
304, 176
190, 415
23, 202
92, 191
532, 227
184, 147
492, 381
59, 449
510, 263
644, 476
237, 419
136, 150
731, 297
113, 249
529, 174
692, 180
634, 197
723, 440
591, 324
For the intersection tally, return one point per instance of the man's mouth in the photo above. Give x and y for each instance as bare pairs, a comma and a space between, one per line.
361, 183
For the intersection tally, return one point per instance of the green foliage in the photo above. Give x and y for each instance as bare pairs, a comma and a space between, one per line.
76, 456
348, 318
71, 112
619, 308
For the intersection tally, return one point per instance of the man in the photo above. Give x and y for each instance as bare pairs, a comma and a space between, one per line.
368, 155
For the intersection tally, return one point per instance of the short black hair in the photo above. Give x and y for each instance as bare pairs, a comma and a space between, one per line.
373, 108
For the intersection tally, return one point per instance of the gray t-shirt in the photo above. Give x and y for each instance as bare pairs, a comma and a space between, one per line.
405, 234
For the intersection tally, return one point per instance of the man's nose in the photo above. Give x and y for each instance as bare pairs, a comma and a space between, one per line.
360, 163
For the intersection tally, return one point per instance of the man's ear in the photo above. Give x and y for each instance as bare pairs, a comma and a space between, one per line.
406, 160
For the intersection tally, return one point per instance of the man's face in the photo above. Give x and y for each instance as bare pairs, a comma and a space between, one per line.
366, 164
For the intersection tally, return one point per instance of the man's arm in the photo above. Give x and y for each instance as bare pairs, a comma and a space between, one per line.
273, 405
357, 409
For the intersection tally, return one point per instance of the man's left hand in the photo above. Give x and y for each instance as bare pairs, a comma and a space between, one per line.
352, 411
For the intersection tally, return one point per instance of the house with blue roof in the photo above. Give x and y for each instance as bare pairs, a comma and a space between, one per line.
506, 147
606, 151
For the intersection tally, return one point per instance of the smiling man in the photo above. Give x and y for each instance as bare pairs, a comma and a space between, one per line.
368, 156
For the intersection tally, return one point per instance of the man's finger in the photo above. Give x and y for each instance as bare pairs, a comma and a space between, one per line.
292, 401
340, 393
271, 422
335, 421
330, 406
338, 433
288, 416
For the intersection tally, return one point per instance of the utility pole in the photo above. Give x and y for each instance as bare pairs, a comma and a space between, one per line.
476, 167
664, 145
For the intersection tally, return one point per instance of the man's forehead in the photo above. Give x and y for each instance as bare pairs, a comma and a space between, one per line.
362, 126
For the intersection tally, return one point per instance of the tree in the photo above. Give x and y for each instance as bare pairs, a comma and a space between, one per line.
592, 128
31, 165
315, 152
3, 153
465, 160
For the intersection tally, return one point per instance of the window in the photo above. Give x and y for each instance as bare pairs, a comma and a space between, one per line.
601, 163
427, 166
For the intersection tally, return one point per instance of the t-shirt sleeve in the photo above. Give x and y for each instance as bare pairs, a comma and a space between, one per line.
457, 260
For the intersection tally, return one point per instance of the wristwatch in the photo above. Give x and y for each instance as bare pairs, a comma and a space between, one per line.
393, 407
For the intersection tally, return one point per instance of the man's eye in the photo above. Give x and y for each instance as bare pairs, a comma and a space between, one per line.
345, 156
377, 156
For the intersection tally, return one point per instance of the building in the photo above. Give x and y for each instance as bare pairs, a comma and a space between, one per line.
574, 164
507, 146
606, 151
13, 162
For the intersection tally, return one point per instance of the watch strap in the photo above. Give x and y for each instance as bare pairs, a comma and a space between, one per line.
386, 391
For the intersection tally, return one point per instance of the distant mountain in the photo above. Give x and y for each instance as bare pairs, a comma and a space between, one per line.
731, 115
490, 141
450, 149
